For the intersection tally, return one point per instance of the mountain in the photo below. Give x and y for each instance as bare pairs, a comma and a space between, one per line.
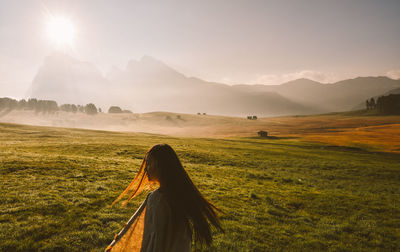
362, 105
393, 91
340, 96
151, 85
67, 80
157, 87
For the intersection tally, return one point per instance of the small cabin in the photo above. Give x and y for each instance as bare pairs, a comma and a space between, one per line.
262, 133
252, 117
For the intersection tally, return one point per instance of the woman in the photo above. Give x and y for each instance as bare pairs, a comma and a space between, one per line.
170, 215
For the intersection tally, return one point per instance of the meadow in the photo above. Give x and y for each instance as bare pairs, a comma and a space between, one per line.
359, 129
276, 194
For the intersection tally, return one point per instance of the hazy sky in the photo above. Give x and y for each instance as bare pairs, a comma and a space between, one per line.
265, 42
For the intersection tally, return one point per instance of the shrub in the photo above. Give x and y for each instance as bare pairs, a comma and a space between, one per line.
114, 109
90, 109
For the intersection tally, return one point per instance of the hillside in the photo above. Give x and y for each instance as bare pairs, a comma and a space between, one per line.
393, 91
340, 96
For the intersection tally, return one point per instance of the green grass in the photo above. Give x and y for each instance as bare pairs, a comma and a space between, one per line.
56, 186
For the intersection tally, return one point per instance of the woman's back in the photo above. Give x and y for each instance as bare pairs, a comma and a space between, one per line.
159, 233
172, 214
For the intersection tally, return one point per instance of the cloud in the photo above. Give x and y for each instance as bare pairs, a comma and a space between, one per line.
274, 79
393, 74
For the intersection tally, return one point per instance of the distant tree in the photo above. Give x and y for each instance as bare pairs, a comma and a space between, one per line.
13, 104
178, 117
22, 104
114, 109
8, 103
372, 103
39, 107
74, 108
81, 108
66, 107
90, 109
127, 111
32, 103
389, 105
69, 108
367, 104
46, 106
100, 110
2, 103
379, 104
254, 117
51, 106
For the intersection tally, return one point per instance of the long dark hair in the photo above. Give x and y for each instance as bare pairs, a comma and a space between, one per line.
189, 207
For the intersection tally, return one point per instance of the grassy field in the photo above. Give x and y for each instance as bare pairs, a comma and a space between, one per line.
360, 129
373, 138
277, 194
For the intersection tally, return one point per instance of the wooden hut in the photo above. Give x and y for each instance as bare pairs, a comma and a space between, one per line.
262, 133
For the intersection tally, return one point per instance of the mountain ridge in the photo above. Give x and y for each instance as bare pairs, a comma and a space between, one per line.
339, 96
149, 84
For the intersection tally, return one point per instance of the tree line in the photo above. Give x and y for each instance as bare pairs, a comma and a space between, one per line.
50, 107
45, 106
387, 105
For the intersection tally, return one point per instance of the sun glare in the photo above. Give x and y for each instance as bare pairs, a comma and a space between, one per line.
60, 31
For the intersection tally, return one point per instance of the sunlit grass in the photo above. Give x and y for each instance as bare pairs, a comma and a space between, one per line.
374, 138
277, 194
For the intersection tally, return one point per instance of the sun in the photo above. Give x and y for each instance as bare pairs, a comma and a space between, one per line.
60, 31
